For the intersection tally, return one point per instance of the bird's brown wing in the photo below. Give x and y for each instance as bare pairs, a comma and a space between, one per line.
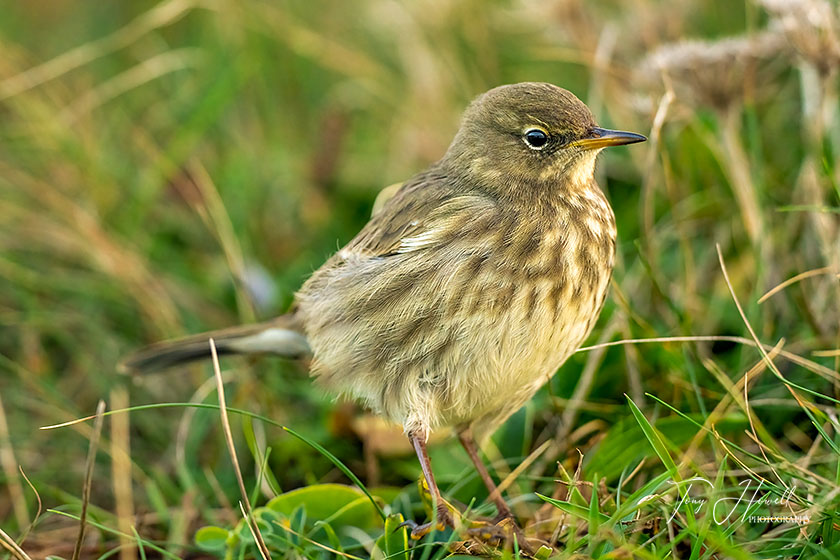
375, 313
426, 211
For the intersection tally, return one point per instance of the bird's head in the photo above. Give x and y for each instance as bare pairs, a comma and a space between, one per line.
532, 133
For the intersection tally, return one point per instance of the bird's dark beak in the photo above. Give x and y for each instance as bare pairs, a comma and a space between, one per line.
602, 138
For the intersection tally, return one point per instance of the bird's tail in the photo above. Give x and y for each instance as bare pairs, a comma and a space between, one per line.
282, 336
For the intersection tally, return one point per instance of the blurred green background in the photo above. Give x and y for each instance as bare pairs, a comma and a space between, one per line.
171, 167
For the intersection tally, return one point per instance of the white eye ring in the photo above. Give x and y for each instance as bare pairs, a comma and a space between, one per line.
535, 138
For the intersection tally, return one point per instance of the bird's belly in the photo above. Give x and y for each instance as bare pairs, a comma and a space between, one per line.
518, 351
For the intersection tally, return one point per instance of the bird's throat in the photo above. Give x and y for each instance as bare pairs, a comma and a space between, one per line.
572, 174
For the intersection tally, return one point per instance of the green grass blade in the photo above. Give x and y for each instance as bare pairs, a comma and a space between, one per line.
655, 441
581, 512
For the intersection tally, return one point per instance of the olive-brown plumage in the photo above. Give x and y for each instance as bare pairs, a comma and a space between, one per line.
468, 288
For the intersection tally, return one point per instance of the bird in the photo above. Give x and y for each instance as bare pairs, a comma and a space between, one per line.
468, 288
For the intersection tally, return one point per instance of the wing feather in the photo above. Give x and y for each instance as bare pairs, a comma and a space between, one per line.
425, 212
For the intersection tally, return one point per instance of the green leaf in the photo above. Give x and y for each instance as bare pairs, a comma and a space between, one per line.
211, 538
543, 553
393, 544
625, 444
341, 466
593, 517
655, 441
335, 542
266, 520
576, 510
637, 499
336, 504
387, 494
297, 523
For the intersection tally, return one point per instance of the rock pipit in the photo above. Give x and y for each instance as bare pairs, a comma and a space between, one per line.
468, 289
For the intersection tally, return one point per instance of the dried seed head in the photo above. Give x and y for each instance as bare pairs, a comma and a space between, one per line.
713, 73
812, 27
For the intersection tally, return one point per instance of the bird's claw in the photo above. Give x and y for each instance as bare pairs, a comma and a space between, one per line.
443, 520
502, 530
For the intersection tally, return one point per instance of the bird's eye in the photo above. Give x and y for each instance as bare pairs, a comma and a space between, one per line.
535, 138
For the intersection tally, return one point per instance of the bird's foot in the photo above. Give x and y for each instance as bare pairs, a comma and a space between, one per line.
442, 520
503, 531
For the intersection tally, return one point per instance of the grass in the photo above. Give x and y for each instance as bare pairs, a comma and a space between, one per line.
177, 166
